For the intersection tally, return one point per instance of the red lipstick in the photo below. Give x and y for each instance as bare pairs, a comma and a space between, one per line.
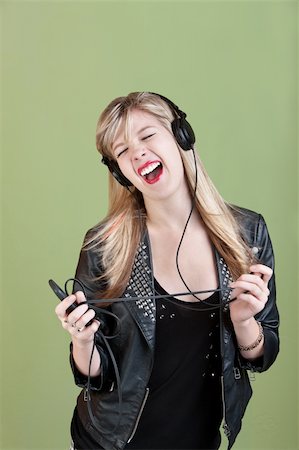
151, 171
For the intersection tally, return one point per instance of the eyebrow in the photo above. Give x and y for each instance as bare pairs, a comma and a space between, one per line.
138, 132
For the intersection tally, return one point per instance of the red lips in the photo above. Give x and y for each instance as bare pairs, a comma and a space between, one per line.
151, 171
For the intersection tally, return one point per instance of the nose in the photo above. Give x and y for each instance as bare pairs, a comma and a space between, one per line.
139, 151
139, 155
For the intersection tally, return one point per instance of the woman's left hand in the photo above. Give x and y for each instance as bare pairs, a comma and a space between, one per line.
250, 292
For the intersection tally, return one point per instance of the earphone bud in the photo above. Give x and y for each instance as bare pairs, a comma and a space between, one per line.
182, 131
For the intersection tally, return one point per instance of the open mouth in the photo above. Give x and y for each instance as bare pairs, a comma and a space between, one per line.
151, 172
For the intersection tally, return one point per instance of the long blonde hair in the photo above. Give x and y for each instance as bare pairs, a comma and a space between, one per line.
116, 238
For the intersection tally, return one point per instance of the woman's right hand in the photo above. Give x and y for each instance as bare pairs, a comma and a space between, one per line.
82, 335
75, 322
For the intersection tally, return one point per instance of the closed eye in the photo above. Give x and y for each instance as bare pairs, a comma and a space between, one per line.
148, 136
145, 138
120, 153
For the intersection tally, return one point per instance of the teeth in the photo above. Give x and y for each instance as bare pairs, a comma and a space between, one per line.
148, 169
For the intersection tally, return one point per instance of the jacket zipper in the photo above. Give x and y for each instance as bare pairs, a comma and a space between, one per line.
139, 414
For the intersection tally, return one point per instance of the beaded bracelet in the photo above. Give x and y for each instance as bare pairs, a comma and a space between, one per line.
256, 343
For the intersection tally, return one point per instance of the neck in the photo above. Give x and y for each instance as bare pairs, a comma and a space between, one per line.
171, 214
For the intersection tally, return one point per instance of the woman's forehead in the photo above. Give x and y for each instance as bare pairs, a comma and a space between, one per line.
135, 122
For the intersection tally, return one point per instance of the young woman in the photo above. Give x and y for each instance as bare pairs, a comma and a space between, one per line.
191, 288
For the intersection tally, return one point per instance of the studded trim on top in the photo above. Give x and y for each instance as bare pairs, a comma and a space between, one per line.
140, 283
226, 278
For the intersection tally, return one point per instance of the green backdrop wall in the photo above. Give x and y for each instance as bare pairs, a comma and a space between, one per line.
233, 67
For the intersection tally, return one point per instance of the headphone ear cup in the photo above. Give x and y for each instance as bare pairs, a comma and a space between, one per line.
181, 129
183, 133
116, 172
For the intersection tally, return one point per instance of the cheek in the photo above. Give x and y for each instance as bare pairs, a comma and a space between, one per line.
178, 164
124, 166
127, 170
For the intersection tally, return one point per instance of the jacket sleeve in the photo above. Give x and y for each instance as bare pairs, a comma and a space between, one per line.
269, 316
87, 269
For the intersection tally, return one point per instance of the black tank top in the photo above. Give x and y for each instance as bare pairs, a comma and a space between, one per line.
184, 406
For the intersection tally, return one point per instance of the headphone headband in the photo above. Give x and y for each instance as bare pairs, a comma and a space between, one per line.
170, 103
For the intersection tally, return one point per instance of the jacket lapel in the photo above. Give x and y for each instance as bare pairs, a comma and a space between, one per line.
224, 277
141, 285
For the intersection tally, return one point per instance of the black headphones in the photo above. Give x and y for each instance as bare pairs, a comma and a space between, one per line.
182, 132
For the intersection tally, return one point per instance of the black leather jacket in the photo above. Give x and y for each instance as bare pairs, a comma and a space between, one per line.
134, 346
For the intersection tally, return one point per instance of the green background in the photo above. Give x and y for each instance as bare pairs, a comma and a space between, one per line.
233, 67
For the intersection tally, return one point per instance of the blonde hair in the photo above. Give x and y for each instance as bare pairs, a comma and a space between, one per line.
116, 238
